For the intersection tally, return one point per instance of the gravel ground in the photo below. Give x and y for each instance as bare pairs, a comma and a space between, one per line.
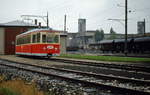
84, 77
108, 71
53, 86
57, 86
29, 60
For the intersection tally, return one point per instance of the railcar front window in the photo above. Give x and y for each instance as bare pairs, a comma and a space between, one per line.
51, 38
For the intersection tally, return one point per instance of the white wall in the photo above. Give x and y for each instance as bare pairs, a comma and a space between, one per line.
1, 40
63, 44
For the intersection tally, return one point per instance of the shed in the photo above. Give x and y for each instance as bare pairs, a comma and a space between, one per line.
9, 30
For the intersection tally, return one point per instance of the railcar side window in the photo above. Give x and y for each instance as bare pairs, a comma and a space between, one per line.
28, 39
38, 37
56, 39
21, 41
17, 41
43, 38
25, 40
33, 38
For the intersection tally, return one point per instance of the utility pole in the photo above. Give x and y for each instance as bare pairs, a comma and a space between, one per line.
47, 21
126, 27
144, 27
65, 18
65, 31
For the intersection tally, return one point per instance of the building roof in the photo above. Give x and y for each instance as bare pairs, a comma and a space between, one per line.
17, 23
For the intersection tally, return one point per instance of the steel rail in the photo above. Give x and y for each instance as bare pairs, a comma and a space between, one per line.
102, 76
107, 65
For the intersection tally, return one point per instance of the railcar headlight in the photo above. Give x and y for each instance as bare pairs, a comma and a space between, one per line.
50, 47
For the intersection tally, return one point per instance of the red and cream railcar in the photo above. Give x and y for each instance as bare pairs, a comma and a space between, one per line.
38, 42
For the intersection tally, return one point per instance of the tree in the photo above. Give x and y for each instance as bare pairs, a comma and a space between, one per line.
112, 34
99, 35
102, 34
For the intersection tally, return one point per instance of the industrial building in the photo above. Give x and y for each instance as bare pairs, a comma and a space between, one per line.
8, 32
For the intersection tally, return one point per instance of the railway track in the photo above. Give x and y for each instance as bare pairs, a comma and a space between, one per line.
115, 84
100, 64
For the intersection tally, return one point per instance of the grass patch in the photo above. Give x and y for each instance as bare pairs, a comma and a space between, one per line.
19, 87
106, 58
7, 91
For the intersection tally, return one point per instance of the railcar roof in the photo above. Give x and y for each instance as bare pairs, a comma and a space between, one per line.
142, 39
35, 30
122, 40
106, 41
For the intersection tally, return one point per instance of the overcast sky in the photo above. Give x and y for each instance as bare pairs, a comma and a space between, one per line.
97, 13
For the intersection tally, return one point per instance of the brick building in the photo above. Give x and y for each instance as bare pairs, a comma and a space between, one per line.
8, 32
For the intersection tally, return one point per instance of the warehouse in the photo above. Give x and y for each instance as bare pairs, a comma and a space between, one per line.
8, 32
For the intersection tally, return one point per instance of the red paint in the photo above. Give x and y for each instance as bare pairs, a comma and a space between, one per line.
38, 48
10, 36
